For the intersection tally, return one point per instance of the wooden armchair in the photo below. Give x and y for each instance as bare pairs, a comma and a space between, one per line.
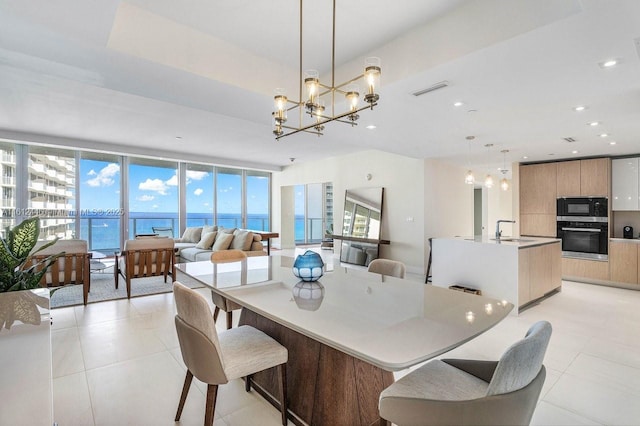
72, 268
146, 257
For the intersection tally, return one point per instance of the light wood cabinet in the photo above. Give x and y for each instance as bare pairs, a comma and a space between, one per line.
538, 225
594, 177
623, 262
538, 188
581, 268
538, 271
568, 179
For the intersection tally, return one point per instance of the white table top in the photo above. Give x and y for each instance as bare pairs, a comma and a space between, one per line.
389, 322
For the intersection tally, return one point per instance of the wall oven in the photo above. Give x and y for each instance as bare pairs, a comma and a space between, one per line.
584, 237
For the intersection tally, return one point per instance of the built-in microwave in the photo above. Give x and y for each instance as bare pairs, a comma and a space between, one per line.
570, 207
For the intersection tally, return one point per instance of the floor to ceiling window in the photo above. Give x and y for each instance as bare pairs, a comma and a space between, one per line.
257, 200
199, 195
229, 197
153, 196
100, 212
313, 212
81, 194
51, 189
8, 183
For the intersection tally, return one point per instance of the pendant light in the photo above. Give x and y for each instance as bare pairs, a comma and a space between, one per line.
504, 183
468, 178
488, 180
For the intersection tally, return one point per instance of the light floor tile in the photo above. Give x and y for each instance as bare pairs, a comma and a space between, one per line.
610, 374
616, 352
598, 402
71, 401
63, 318
549, 415
95, 313
110, 342
66, 352
143, 391
255, 414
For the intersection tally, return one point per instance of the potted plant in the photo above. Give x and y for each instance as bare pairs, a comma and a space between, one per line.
19, 272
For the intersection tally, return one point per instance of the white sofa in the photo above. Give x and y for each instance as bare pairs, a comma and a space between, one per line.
197, 243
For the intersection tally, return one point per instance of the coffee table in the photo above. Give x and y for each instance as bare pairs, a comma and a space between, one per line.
95, 265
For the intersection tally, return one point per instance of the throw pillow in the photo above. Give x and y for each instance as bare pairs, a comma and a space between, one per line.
226, 230
208, 228
223, 241
192, 235
242, 240
207, 240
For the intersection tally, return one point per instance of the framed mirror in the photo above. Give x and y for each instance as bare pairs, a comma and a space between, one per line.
361, 224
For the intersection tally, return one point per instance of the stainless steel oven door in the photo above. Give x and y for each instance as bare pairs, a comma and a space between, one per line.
584, 242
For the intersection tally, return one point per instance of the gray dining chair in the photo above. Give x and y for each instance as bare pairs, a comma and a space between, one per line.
469, 392
222, 303
387, 267
215, 360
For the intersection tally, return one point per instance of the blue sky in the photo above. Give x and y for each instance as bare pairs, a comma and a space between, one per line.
155, 189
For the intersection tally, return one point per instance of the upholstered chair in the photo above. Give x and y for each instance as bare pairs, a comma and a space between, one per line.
215, 360
468, 392
72, 268
222, 303
145, 257
387, 267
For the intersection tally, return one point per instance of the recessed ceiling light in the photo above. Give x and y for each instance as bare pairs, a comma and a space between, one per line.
612, 143
524, 157
580, 108
574, 152
610, 63
371, 127
473, 110
457, 104
603, 135
178, 137
593, 123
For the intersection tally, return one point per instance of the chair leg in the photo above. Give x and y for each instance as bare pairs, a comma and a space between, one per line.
216, 311
85, 292
247, 383
283, 393
212, 391
183, 397
229, 320
128, 280
115, 275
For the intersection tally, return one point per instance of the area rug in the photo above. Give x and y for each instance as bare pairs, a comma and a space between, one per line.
103, 288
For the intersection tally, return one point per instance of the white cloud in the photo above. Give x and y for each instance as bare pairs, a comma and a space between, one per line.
105, 176
155, 206
156, 185
198, 192
196, 175
206, 204
145, 197
173, 181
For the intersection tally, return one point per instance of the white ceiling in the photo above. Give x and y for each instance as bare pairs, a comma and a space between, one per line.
132, 75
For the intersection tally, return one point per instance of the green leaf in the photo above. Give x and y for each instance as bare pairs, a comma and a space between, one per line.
23, 237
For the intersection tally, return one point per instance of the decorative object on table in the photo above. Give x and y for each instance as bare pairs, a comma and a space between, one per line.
308, 295
17, 272
308, 266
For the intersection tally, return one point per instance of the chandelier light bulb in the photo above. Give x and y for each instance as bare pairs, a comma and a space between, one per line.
372, 72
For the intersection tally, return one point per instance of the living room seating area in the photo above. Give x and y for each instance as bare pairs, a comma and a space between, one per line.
198, 243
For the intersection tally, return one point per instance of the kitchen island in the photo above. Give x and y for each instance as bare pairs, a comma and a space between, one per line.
518, 270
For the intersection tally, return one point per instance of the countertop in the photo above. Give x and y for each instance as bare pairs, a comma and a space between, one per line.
519, 242
625, 240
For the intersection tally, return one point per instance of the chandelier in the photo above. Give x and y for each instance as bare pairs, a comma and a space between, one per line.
318, 95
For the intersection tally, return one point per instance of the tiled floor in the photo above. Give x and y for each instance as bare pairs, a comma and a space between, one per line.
119, 363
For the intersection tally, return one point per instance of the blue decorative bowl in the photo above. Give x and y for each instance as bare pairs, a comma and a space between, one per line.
308, 266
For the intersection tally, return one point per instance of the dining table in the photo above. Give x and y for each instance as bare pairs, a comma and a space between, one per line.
347, 332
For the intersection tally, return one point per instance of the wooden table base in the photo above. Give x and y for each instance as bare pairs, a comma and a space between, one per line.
324, 386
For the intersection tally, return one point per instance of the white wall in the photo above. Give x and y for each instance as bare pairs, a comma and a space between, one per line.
403, 207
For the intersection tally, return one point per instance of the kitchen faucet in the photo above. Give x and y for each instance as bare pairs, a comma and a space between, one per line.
498, 231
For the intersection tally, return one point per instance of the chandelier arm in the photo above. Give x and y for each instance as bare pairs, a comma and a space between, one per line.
348, 82
328, 120
300, 70
333, 60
